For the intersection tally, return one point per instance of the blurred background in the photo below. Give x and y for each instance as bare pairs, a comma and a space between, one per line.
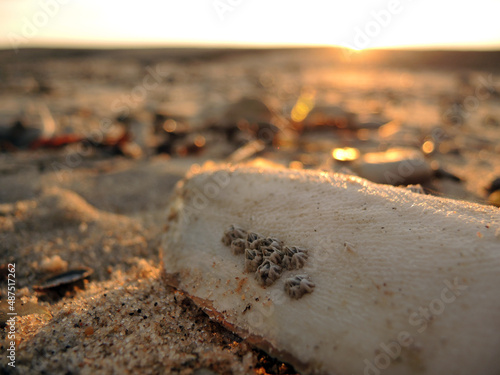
397, 91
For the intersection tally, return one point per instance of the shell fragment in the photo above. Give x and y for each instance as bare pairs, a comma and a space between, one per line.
392, 282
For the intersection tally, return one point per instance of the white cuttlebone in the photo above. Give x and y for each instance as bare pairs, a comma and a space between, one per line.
380, 258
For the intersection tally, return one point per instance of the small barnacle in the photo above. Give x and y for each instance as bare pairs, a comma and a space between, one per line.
238, 246
286, 262
290, 250
267, 273
266, 251
262, 242
273, 254
269, 241
253, 259
298, 285
294, 258
276, 243
298, 260
232, 233
257, 243
253, 240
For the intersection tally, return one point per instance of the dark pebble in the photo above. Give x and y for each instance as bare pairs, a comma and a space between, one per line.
494, 186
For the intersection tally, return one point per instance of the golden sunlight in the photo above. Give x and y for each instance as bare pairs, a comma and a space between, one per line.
357, 25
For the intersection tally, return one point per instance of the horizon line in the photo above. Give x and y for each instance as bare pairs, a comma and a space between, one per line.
194, 45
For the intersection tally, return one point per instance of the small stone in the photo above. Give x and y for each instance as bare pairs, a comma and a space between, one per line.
249, 110
494, 185
397, 166
494, 198
371, 121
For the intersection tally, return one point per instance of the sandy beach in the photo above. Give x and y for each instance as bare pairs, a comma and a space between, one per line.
92, 144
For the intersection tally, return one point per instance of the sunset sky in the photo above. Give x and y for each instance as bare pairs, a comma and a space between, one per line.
358, 24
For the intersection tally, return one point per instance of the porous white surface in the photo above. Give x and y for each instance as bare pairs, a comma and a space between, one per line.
384, 261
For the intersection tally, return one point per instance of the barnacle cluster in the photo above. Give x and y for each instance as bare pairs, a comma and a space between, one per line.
268, 258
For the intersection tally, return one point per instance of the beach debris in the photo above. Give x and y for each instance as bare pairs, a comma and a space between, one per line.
270, 365
246, 120
57, 141
181, 113
33, 124
247, 111
362, 293
397, 166
192, 144
248, 125
19, 135
68, 279
172, 133
178, 139
327, 117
